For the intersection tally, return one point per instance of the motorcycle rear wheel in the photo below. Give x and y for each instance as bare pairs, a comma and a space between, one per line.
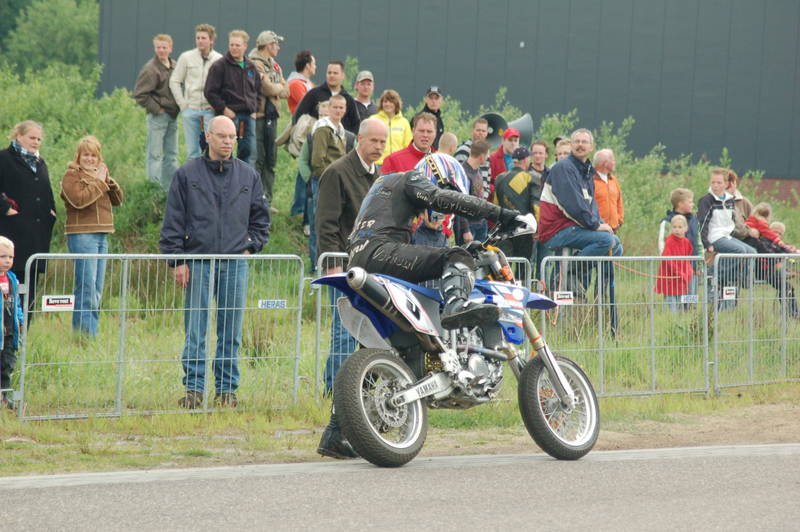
382, 434
563, 434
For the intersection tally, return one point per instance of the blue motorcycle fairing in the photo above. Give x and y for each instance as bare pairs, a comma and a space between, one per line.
532, 299
502, 294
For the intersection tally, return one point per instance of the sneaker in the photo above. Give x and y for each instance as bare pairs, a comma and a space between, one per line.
273, 210
226, 399
334, 445
193, 399
307, 230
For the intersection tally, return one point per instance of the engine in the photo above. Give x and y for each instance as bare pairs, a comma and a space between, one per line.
480, 377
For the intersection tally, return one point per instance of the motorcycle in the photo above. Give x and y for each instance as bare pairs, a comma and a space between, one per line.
408, 363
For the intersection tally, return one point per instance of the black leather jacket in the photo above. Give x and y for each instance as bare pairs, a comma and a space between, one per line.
395, 199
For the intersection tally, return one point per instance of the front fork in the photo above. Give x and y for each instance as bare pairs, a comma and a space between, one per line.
539, 346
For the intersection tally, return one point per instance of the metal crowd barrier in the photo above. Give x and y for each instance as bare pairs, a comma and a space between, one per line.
133, 364
616, 321
732, 323
756, 320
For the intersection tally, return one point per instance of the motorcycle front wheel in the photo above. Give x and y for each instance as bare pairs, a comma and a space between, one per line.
566, 434
384, 435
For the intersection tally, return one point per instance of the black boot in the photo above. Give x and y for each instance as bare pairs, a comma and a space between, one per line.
458, 311
333, 444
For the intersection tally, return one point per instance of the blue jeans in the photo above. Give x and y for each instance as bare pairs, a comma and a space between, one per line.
429, 237
162, 148
342, 344
591, 244
299, 201
192, 130
479, 230
230, 286
89, 277
246, 150
311, 211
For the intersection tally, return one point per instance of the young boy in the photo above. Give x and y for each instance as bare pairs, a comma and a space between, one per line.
682, 200
675, 276
12, 320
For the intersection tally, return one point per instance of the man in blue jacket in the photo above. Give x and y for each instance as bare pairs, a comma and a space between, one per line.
215, 206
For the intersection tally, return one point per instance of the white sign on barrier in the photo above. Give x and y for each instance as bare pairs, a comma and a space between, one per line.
58, 303
563, 298
728, 292
271, 303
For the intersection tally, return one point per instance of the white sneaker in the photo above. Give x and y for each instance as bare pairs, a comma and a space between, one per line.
307, 230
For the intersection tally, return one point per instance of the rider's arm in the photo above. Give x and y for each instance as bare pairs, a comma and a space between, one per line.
425, 194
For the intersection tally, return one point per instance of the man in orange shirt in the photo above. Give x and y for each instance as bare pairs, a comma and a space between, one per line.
607, 191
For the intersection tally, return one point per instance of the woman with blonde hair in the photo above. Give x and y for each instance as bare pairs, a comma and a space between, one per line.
391, 112
89, 194
27, 207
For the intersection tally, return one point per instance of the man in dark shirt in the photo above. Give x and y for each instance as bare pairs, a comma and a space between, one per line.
518, 189
433, 105
232, 88
215, 206
473, 167
365, 86
334, 77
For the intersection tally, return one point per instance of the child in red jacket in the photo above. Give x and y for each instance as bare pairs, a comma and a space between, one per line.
674, 276
759, 220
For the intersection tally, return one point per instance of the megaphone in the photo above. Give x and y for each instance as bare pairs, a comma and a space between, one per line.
498, 126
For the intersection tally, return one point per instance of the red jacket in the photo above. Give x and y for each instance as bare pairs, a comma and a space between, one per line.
402, 160
674, 275
497, 165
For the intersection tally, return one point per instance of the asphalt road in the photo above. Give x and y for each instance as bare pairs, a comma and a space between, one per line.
704, 488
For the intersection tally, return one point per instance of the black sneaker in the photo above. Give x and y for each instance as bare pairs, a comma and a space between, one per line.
193, 399
334, 445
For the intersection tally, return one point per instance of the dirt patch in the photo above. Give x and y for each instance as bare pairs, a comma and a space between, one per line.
757, 424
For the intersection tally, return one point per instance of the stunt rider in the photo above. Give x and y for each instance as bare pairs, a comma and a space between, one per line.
381, 237
381, 243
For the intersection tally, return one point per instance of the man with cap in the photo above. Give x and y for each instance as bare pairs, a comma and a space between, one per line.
273, 88
364, 86
519, 189
433, 105
500, 161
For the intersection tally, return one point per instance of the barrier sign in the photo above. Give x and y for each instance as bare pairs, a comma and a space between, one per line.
58, 303
563, 298
271, 303
728, 292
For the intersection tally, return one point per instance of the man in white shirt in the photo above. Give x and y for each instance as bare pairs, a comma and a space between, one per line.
187, 83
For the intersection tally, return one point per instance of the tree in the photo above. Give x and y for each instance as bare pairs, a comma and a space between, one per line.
49, 31
9, 9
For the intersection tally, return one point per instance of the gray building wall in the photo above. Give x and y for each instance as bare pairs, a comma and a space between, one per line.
697, 75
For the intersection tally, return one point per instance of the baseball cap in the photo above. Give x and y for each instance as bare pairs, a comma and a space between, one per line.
520, 153
434, 89
364, 74
267, 37
510, 132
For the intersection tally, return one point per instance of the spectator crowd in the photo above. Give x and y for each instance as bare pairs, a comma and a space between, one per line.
220, 199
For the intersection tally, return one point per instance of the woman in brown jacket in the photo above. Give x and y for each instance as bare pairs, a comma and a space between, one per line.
88, 193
